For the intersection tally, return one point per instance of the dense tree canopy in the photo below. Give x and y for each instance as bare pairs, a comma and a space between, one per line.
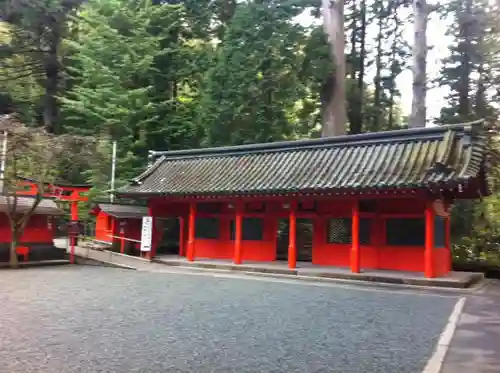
181, 74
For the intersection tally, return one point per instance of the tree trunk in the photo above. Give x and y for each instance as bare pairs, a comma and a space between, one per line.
356, 100
394, 65
354, 29
464, 105
377, 80
352, 65
51, 66
361, 75
418, 108
13, 261
480, 100
226, 10
334, 108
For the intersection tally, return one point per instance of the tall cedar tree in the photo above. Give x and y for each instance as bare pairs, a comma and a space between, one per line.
252, 85
114, 58
37, 31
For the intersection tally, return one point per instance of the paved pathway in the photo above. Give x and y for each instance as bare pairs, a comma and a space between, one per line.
94, 319
475, 347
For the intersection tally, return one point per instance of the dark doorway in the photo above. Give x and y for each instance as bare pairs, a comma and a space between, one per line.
282, 239
304, 239
169, 241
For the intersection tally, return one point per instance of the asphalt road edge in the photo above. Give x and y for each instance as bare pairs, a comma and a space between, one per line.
436, 361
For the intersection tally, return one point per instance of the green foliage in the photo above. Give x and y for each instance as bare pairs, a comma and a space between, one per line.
176, 74
20, 89
114, 58
471, 71
253, 84
476, 232
30, 63
471, 74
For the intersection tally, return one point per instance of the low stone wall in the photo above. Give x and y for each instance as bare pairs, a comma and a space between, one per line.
37, 252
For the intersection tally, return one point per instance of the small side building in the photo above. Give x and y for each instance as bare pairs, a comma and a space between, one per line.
38, 235
117, 220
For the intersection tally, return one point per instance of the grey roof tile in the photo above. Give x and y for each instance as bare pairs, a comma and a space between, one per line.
123, 211
24, 204
404, 158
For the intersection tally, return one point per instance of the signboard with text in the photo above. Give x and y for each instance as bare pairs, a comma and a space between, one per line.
147, 233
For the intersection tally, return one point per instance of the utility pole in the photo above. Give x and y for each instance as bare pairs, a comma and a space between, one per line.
4, 161
113, 170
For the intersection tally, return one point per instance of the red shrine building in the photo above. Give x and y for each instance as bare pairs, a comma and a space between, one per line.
117, 220
37, 238
369, 201
37, 243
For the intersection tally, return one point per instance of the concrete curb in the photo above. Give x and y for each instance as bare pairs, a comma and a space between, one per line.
354, 277
118, 260
436, 361
448, 291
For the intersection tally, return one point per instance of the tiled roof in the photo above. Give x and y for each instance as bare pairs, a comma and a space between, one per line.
415, 158
23, 204
123, 211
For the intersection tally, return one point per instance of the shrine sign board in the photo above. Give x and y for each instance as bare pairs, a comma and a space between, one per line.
147, 233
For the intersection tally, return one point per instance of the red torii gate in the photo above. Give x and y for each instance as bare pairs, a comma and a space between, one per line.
72, 193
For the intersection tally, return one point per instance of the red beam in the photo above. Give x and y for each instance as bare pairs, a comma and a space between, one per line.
386, 194
55, 191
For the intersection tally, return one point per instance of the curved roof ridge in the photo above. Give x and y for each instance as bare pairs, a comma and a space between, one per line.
148, 170
371, 138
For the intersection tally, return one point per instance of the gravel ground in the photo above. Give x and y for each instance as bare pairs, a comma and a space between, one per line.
94, 319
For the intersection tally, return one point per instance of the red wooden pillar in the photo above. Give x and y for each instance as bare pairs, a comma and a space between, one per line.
191, 228
292, 236
238, 228
182, 247
74, 210
122, 241
74, 217
447, 242
113, 227
429, 241
355, 249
